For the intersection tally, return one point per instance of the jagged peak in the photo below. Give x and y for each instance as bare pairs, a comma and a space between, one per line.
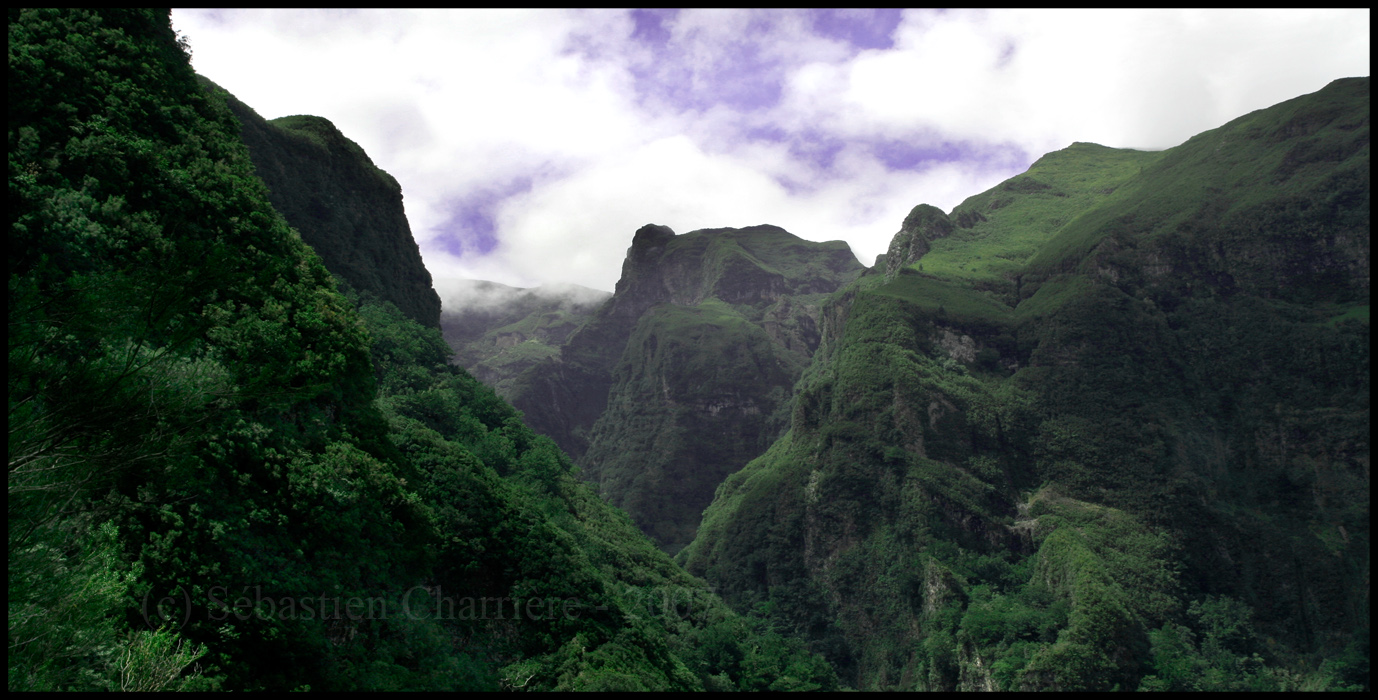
924, 224
924, 214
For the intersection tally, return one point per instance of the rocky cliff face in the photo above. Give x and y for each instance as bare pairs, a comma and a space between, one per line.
685, 373
344, 207
1125, 392
925, 224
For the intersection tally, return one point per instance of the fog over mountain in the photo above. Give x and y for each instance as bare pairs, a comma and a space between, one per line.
459, 295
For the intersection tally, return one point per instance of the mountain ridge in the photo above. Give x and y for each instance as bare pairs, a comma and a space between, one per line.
498, 332
971, 428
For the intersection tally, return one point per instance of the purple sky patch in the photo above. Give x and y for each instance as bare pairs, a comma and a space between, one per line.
470, 228
739, 78
1006, 55
918, 155
861, 28
650, 26
687, 73
817, 149
700, 69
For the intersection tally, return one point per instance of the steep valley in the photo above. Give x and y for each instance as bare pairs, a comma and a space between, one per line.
1104, 426
267, 440
1109, 378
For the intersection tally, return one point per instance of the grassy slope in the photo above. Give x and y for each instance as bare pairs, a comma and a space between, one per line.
1010, 223
805, 267
1311, 149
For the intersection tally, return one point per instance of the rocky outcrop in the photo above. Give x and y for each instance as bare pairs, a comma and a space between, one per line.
925, 224
344, 207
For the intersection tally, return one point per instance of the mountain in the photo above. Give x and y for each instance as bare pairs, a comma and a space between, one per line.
1104, 425
498, 332
685, 374
345, 208
232, 467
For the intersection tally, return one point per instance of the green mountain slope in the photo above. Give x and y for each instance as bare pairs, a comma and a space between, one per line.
225, 473
1273, 203
1092, 430
995, 233
685, 374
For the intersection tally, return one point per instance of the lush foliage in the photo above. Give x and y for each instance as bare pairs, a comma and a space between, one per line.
529, 528
991, 250
225, 473
1124, 446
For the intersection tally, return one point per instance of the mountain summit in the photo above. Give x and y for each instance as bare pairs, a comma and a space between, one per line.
686, 372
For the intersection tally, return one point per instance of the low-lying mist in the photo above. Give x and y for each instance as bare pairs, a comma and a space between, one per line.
463, 296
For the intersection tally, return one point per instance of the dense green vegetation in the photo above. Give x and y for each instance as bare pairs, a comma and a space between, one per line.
225, 473
991, 250
1104, 426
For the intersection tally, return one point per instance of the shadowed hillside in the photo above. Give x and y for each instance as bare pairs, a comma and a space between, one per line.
1104, 425
226, 472
344, 207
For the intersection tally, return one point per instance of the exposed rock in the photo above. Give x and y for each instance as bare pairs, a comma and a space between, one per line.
925, 224
959, 346
344, 207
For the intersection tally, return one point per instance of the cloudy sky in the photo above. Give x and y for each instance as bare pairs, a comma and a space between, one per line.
531, 144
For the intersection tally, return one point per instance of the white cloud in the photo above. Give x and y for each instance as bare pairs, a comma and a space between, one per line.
461, 102
1124, 78
445, 101
578, 228
487, 296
